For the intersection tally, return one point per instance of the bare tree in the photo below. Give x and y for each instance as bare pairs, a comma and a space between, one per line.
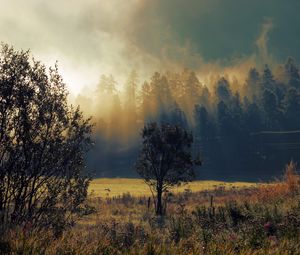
165, 159
42, 144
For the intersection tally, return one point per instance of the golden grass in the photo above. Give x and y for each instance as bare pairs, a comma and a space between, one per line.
127, 226
111, 187
287, 187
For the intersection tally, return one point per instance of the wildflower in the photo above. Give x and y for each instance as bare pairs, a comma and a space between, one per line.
267, 226
270, 228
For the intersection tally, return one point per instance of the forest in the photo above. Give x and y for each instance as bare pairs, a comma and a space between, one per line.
244, 129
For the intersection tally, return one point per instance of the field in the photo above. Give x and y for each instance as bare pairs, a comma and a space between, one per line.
203, 217
107, 187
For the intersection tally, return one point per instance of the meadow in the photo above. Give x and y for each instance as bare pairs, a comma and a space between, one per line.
113, 187
203, 217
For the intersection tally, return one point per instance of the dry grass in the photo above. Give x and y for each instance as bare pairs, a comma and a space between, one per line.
245, 218
280, 189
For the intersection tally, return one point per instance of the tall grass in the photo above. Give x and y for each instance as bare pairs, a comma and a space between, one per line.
264, 219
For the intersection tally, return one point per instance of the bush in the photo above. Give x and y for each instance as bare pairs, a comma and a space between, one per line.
43, 141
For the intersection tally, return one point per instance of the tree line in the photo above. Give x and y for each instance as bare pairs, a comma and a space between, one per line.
232, 119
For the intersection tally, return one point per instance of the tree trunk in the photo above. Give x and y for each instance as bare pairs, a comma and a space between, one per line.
159, 207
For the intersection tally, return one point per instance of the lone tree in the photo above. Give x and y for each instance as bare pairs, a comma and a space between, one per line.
165, 159
42, 145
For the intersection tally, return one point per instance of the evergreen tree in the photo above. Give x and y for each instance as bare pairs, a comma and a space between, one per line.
225, 119
292, 109
253, 118
178, 117
237, 114
292, 73
271, 110
205, 97
268, 81
160, 95
191, 87
223, 90
146, 104
251, 86
130, 111
116, 120
205, 126
107, 85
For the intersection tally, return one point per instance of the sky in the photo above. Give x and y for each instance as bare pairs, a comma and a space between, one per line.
93, 37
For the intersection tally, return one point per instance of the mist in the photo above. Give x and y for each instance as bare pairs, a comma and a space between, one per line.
108, 53
114, 37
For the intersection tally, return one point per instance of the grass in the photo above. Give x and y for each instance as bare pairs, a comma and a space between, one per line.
245, 218
108, 187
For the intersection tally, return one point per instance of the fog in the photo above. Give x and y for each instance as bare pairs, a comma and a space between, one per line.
108, 53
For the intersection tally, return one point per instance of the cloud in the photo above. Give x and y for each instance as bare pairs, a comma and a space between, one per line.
262, 41
86, 37
89, 38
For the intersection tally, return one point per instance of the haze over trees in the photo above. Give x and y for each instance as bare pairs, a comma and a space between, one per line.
43, 142
236, 123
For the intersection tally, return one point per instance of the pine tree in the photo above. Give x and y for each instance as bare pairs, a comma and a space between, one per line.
292, 73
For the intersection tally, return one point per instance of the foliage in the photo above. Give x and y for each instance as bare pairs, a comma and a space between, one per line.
42, 145
165, 159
